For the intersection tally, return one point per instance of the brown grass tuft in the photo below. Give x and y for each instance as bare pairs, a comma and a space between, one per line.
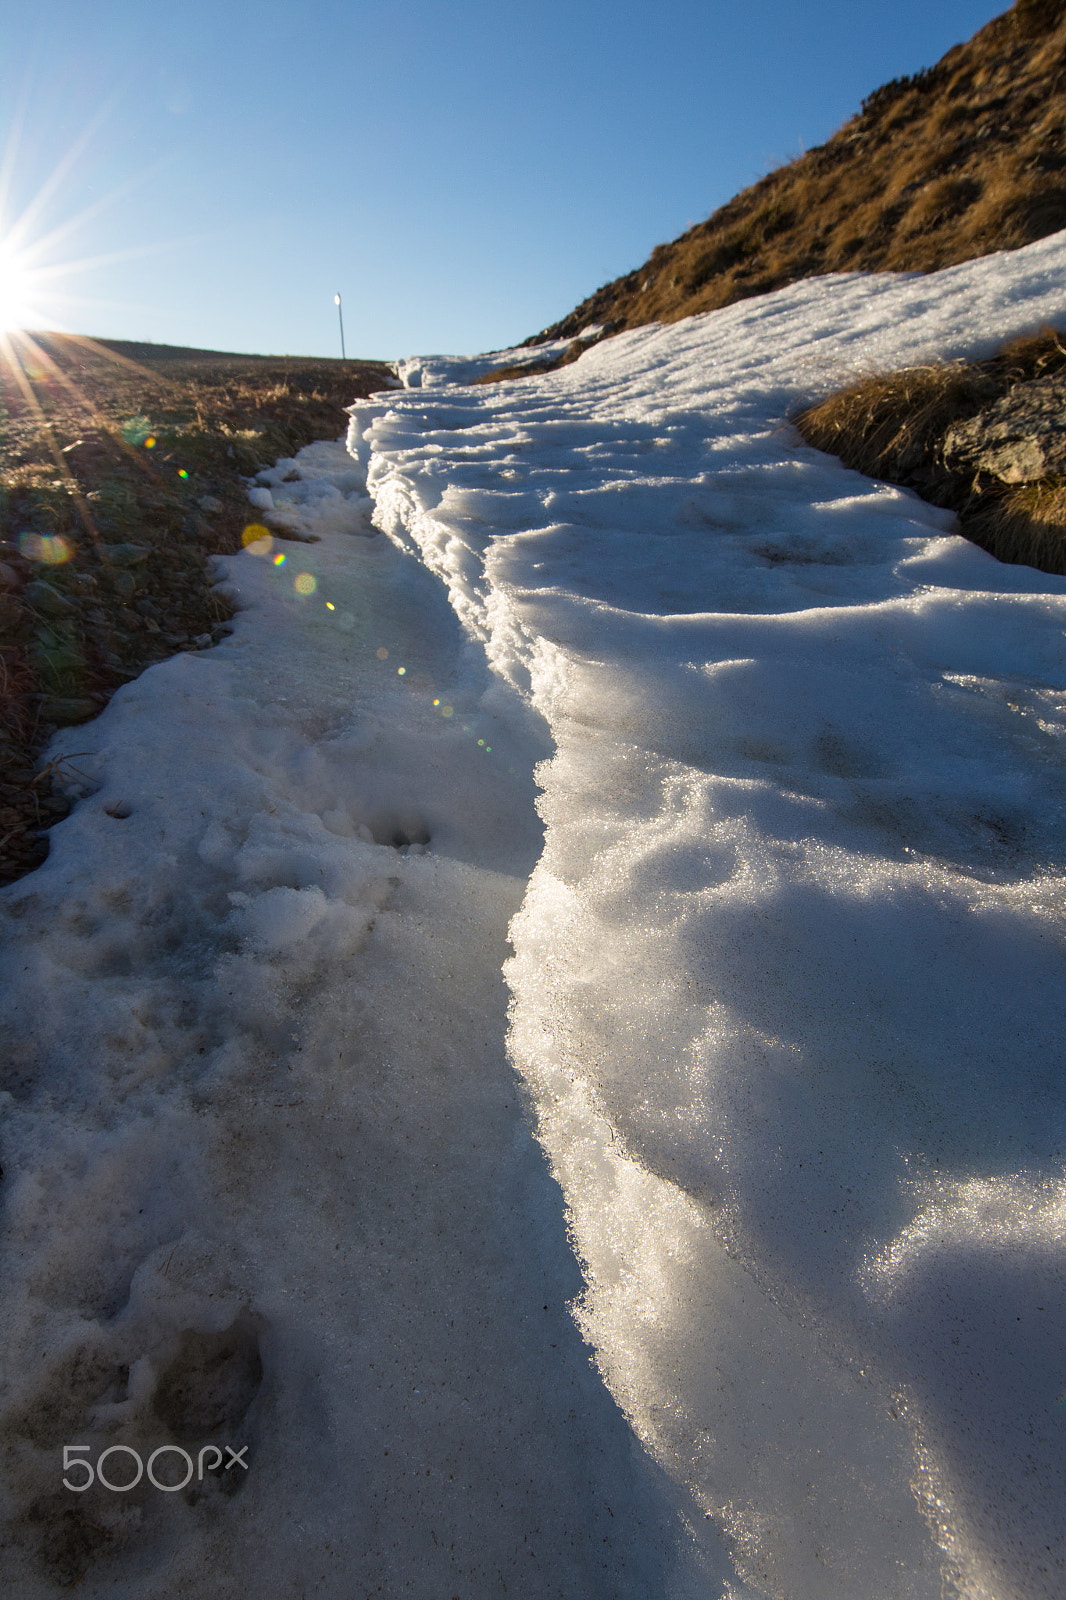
1026, 524
1033, 355
888, 424
891, 425
531, 369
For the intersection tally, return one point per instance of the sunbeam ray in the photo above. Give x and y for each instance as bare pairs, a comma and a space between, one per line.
12, 360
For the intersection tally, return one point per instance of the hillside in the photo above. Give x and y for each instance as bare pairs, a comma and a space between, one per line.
121, 469
958, 161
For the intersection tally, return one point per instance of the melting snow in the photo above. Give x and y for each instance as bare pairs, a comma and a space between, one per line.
742, 777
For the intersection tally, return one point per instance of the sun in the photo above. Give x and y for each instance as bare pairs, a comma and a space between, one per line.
17, 286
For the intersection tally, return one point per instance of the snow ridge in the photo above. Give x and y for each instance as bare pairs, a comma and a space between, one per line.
784, 984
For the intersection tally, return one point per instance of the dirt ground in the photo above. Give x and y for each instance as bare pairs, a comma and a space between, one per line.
122, 468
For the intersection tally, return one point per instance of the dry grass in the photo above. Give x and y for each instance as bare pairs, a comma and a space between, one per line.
1026, 524
134, 521
958, 161
892, 425
889, 425
531, 369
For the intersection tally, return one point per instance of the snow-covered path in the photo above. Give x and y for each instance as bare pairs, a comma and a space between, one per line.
261, 1089
785, 1005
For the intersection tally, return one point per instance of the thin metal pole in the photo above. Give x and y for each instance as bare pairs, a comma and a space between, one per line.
340, 316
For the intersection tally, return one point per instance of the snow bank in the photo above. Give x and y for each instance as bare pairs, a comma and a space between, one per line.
431, 372
786, 983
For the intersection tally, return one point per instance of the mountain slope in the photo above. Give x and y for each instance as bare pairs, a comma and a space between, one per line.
955, 162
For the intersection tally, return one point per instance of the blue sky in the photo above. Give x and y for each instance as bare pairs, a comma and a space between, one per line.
463, 172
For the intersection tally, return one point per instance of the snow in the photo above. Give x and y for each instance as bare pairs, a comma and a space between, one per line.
622, 905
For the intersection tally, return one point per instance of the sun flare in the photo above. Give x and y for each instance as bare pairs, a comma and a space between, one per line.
16, 290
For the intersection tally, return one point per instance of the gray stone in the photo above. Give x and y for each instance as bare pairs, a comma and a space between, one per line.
65, 709
1019, 439
125, 555
48, 601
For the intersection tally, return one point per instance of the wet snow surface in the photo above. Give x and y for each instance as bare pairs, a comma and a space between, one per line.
622, 905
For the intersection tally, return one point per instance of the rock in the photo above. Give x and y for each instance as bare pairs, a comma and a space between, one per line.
1019, 439
209, 502
48, 601
124, 555
8, 576
11, 614
66, 709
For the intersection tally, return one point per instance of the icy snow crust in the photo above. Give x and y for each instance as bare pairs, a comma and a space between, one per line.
787, 982
785, 1000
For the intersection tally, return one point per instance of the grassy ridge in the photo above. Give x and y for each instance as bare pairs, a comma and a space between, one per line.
955, 162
